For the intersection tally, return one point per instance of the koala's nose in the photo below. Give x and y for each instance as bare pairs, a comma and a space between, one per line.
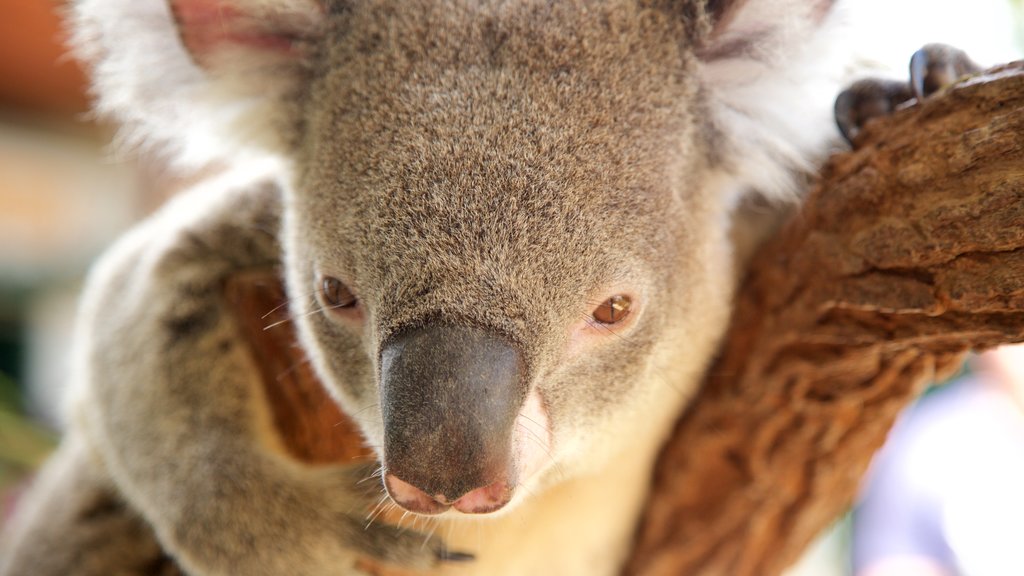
449, 397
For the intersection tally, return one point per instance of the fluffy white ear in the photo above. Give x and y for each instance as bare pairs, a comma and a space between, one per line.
209, 28
738, 26
772, 69
204, 80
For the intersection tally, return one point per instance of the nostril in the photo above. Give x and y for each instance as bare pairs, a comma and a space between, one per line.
485, 499
481, 500
412, 498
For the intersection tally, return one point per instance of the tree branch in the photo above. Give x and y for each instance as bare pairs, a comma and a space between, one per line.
909, 253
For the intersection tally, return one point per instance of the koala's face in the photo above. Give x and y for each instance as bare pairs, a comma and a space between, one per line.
499, 214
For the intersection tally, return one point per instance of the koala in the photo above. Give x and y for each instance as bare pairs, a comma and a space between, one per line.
510, 233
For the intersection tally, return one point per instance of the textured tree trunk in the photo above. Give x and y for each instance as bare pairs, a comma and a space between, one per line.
909, 253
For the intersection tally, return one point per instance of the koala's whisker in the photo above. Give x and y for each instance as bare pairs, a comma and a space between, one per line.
315, 310
661, 376
430, 525
375, 474
414, 522
377, 510
540, 444
448, 535
286, 302
401, 520
298, 364
428, 536
535, 437
526, 429
382, 500
530, 493
525, 417
278, 323
364, 409
290, 318
547, 453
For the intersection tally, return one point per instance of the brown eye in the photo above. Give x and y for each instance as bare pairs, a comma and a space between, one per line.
336, 294
612, 310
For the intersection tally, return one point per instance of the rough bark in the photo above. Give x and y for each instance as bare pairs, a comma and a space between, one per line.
909, 253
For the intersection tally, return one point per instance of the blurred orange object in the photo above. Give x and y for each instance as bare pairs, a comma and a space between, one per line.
36, 72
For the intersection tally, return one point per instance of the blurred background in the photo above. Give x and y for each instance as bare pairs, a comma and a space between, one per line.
64, 197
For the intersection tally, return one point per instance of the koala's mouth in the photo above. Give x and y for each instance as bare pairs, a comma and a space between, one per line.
530, 449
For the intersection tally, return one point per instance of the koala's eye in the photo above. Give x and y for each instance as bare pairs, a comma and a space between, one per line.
612, 310
336, 294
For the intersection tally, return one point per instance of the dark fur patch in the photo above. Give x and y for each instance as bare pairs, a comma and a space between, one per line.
162, 565
191, 323
102, 506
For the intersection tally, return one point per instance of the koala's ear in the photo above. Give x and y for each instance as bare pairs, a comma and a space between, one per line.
281, 31
770, 70
200, 81
747, 27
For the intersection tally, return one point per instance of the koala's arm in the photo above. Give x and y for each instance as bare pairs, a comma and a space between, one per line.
74, 521
169, 399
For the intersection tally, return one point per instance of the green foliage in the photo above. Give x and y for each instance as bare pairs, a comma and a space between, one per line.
23, 444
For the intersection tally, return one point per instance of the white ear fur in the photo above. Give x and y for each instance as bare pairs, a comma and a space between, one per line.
772, 69
211, 27
146, 79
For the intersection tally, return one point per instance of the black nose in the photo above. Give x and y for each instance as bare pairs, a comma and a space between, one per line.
450, 396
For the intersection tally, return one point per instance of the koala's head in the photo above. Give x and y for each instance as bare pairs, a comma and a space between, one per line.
502, 241
498, 209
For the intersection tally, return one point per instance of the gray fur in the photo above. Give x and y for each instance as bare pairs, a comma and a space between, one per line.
505, 165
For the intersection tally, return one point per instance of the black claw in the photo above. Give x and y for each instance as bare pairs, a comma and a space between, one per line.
845, 116
931, 68
445, 555
918, 72
936, 66
867, 99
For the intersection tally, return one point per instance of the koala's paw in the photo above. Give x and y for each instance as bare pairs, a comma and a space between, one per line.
931, 68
